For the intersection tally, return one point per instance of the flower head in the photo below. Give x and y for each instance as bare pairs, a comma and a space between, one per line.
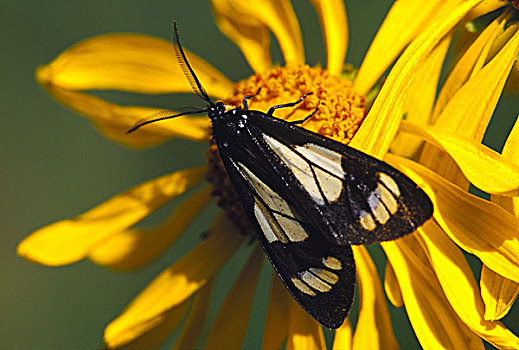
436, 145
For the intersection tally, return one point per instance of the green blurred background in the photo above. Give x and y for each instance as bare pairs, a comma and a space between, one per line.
55, 165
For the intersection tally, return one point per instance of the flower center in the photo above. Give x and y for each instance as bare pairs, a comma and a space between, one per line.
340, 113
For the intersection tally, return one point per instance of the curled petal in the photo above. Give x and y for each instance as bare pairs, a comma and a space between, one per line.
277, 15
114, 121
198, 313
133, 248
381, 125
404, 21
230, 325
276, 324
476, 225
498, 293
456, 279
343, 337
465, 66
251, 35
128, 62
437, 325
483, 167
374, 329
483, 101
334, 25
151, 334
391, 286
484, 8
420, 99
303, 331
177, 283
71, 240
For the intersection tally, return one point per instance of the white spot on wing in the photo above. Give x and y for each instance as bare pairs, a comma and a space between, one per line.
292, 228
330, 185
332, 263
302, 287
325, 275
377, 208
366, 221
324, 157
299, 167
387, 198
267, 226
389, 183
315, 282
271, 198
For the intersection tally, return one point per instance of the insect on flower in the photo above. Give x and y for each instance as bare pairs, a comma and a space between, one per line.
308, 197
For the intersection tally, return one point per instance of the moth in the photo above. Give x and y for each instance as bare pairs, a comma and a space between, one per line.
308, 197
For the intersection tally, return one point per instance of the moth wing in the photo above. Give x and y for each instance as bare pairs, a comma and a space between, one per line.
363, 199
319, 274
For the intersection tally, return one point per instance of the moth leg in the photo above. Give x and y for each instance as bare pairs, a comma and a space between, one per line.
272, 109
301, 121
248, 97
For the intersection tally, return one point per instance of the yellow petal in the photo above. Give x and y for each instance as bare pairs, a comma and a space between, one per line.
435, 323
476, 225
478, 97
71, 240
198, 313
391, 286
460, 288
114, 121
129, 62
304, 333
343, 337
510, 152
277, 15
276, 323
133, 248
498, 293
465, 65
152, 333
374, 329
483, 8
334, 25
483, 167
405, 20
251, 35
230, 325
177, 283
381, 124
420, 98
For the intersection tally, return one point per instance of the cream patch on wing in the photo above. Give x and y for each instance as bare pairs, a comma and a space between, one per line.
280, 227
389, 183
366, 221
314, 282
377, 208
302, 286
298, 166
268, 227
323, 157
330, 185
332, 263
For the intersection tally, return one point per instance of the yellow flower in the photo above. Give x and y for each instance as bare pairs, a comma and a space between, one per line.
426, 271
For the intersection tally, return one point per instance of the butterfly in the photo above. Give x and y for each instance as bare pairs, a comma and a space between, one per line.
308, 197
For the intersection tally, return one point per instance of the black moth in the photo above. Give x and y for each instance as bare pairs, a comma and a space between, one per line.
309, 198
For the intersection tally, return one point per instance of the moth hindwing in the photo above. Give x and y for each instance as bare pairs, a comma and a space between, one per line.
309, 198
